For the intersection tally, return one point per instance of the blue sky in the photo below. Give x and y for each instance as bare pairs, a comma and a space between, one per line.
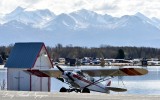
116, 8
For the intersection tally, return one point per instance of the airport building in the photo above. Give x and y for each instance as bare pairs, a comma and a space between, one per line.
28, 56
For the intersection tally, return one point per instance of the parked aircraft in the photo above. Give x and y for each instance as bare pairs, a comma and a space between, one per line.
81, 80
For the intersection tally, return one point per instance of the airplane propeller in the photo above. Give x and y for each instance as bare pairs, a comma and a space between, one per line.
70, 77
67, 74
60, 68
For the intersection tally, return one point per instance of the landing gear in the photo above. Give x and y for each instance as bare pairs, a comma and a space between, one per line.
76, 90
85, 90
63, 89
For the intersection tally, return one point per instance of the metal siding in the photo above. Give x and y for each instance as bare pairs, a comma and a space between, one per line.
24, 81
45, 84
23, 55
35, 83
18, 80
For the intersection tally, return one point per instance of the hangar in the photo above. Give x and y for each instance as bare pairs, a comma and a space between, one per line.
31, 55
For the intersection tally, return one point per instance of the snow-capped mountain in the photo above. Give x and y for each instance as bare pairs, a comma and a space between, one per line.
37, 18
81, 28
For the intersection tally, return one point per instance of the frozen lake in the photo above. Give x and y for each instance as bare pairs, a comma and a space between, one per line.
146, 84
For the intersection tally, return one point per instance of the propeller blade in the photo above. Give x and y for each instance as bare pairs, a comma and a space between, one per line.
61, 79
63, 72
60, 68
70, 77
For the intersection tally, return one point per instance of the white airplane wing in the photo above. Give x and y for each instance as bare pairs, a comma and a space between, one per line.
91, 71
116, 72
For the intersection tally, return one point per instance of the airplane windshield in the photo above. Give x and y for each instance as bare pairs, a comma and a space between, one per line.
85, 75
80, 73
89, 78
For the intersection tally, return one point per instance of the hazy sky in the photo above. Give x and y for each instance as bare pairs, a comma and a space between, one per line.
151, 8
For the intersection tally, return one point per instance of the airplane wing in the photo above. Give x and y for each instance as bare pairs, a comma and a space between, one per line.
116, 72
94, 72
44, 73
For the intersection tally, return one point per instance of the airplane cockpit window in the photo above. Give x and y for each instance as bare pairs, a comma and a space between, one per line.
79, 72
89, 78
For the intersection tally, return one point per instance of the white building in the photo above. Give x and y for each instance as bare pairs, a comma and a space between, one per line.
28, 56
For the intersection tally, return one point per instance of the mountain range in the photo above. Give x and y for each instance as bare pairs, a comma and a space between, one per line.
79, 28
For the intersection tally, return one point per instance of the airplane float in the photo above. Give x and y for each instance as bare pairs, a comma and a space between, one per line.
81, 80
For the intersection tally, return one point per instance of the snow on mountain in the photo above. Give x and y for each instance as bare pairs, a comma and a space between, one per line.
156, 22
153, 21
143, 17
62, 21
82, 28
38, 18
86, 18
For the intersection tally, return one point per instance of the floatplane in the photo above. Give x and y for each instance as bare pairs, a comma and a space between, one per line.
82, 79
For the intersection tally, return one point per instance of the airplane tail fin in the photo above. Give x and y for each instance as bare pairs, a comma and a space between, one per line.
115, 89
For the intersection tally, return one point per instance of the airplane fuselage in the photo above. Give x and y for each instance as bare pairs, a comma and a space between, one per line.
82, 82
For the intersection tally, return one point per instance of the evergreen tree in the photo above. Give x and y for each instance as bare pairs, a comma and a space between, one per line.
3, 54
120, 54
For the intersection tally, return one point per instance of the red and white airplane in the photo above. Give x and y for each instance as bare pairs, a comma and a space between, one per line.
80, 80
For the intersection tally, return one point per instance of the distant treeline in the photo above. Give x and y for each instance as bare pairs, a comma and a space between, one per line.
104, 51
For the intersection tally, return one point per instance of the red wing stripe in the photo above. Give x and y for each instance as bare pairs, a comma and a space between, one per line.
130, 71
125, 70
38, 73
135, 71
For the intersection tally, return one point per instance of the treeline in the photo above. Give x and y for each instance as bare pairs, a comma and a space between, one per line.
102, 52
5, 51
70, 51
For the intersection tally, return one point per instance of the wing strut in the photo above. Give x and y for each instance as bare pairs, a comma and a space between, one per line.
98, 81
